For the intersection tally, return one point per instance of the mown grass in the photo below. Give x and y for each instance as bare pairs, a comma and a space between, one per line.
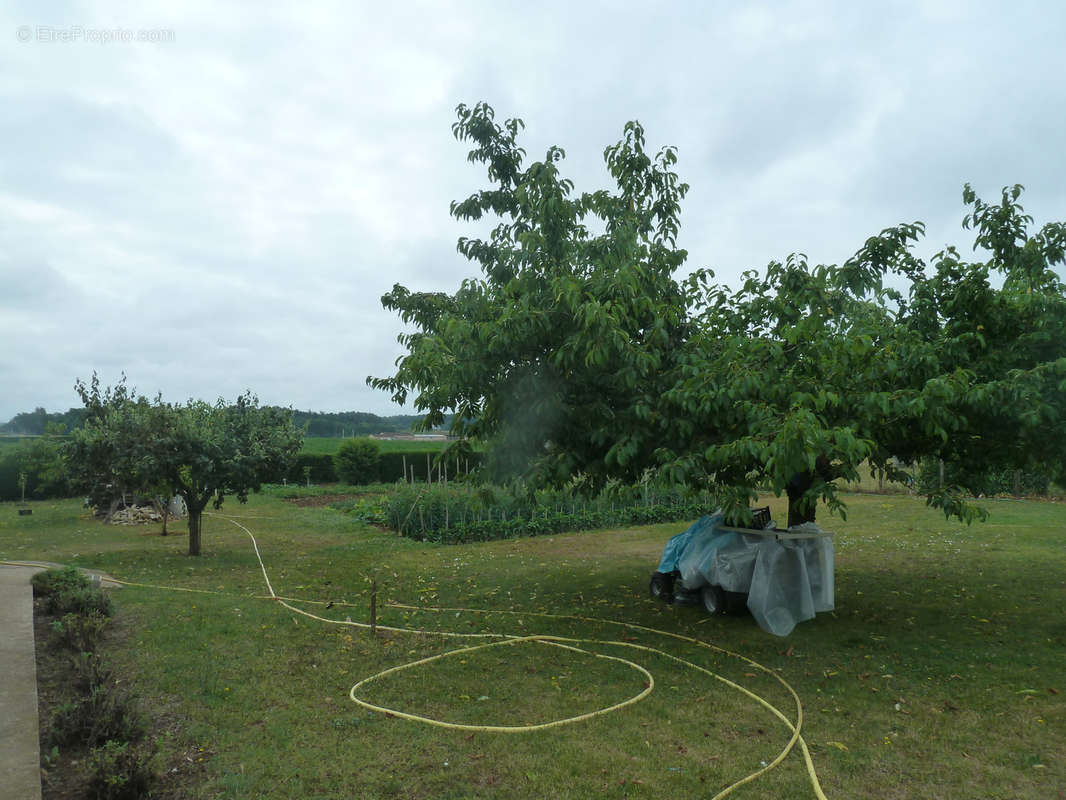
939, 674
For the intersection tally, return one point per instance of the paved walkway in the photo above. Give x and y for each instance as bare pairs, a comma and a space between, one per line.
20, 757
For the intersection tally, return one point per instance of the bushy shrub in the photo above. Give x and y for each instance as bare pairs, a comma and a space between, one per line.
121, 771
80, 632
81, 600
107, 711
59, 579
357, 461
89, 670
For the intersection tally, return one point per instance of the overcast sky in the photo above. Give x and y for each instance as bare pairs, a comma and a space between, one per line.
216, 199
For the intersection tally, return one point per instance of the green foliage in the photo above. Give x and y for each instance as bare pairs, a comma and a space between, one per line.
121, 771
79, 600
548, 357
321, 465
80, 632
393, 459
59, 579
37, 422
460, 513
358, 461
988, 483
199, 450
88, 670
578, 350
350, 423
456, 464
37, 461
67, 590
106, 711
101, 708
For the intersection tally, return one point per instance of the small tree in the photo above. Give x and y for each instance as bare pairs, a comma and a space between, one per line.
358, 461
226, 449
204, 451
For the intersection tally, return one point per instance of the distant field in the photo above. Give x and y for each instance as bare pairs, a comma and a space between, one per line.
330, 444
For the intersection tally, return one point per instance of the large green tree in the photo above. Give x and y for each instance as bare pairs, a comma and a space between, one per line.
575, 322
804, 373
578, 350
201, 451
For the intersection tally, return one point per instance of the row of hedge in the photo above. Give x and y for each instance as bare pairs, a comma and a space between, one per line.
987, 483
100, 722
41, 462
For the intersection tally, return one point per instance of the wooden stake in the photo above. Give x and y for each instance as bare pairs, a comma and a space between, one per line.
373, 606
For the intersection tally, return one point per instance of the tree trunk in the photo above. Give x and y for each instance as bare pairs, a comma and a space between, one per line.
162, 508
194, 531
796, 488
110, 511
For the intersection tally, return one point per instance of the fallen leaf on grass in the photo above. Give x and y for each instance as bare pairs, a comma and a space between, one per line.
838, 746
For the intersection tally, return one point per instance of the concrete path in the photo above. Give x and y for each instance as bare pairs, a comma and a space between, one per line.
20, 756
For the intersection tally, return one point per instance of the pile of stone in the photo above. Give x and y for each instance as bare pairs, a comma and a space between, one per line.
136, 515
124, 511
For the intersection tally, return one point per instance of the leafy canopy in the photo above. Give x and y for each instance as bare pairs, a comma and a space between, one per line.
577, 350
575, 321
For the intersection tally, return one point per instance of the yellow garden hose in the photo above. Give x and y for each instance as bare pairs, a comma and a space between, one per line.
556, 641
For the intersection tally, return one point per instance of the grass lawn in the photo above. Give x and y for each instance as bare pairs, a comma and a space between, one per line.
942, 672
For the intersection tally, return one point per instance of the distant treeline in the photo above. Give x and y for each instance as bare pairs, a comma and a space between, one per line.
34, 423
343, 423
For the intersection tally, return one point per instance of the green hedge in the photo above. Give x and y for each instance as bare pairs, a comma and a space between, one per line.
988, 483
9, 477
321, 465
392, 465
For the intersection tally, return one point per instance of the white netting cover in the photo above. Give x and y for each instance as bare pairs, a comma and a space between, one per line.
787, 580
